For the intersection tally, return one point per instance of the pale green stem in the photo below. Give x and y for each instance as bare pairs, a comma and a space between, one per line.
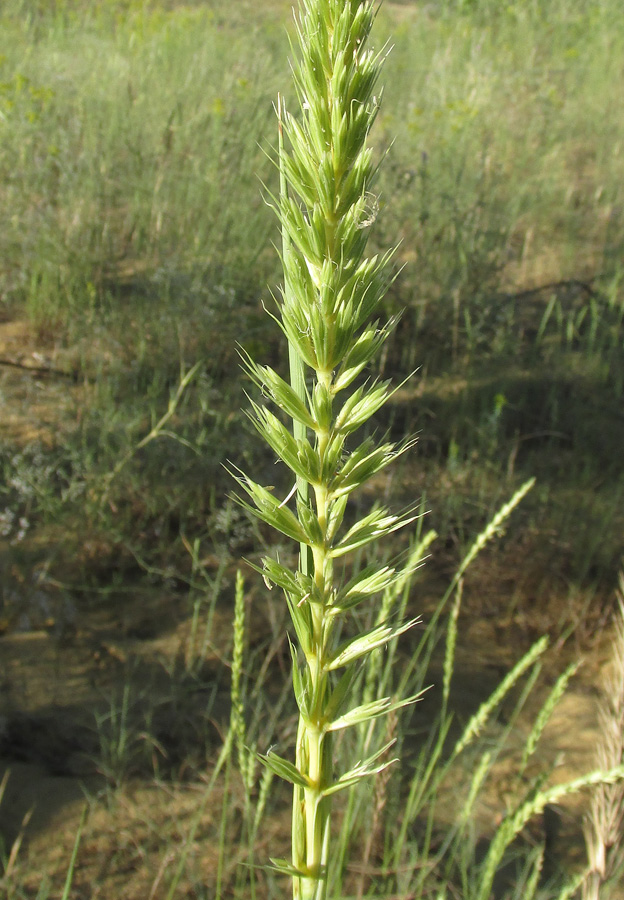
309, 808
315, 742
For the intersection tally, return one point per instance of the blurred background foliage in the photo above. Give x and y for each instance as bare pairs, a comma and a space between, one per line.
136, 149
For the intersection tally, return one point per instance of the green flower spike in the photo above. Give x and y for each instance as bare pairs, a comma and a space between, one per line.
327, 310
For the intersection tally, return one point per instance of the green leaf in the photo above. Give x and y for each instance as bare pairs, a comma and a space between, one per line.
299, 301
371, 580
360, 406
377, 523
278, 390
332, 457
302, 623
298, 337
269, 509
279, 575
335, 516
298, 455
321, 336
300, 685
309, 461
322, 406
364, 462
362, 644
359, 174
364, 769
299, 179
369, 291
283, 769
302, 234
359, 714
309, 521
297, 585
339, 693
368, 711
286, 868
300, 149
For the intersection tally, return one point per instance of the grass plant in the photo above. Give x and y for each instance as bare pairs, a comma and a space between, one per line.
417, 856
330, 299
135, 243
328, 308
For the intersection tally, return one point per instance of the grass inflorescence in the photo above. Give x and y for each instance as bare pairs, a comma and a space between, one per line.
328, 312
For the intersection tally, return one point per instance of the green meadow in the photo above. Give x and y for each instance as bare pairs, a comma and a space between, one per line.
138, 261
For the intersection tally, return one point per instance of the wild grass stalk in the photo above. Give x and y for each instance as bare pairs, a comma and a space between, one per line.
604, 824
327, 312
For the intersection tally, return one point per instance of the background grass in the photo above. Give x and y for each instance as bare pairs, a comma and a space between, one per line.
135, 138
